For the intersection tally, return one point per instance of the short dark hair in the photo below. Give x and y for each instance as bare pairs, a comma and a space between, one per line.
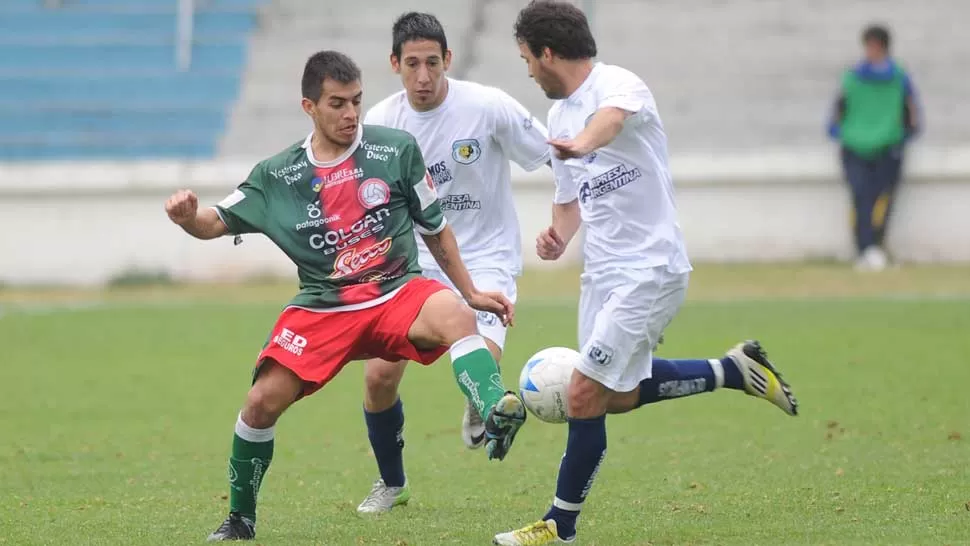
877, 33
560, 26
324, 65
417, 26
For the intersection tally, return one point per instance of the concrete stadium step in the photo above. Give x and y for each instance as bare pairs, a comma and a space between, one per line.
292, 30
727, 74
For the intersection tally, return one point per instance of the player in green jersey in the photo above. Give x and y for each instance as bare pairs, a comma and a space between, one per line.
343, 204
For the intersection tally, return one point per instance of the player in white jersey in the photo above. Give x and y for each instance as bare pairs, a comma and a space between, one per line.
468, 134
611, 170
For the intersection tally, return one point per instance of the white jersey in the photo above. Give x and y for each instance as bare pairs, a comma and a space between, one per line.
467, 143
624, 189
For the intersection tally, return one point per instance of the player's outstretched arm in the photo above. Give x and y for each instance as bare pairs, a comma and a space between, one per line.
444, 247
602, 129
183, 209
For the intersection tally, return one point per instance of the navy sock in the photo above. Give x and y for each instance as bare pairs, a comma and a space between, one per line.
679, 378
676, 379
585, 451
385, 432
732, 374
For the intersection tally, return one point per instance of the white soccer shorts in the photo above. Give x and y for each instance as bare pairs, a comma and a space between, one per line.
622, 314
486, 280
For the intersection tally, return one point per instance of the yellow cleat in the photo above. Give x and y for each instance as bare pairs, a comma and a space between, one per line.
761, 379
537, 534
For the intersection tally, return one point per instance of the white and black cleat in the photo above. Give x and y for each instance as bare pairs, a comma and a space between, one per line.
761, 378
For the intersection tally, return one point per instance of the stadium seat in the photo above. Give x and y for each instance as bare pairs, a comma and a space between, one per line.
97, 79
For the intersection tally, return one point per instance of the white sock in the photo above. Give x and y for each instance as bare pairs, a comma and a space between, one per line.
718, 369
467, 345
254, 435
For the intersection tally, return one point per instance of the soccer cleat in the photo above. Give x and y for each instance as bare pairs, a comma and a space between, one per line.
502, 424
761, 379
472, 428
537, 534
236, 527
382, 498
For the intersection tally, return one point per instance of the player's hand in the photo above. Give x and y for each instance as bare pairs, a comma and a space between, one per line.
495, 303
182, 207
549, 244
566, 148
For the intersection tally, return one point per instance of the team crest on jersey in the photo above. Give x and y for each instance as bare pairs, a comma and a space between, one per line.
466, 151
373, 192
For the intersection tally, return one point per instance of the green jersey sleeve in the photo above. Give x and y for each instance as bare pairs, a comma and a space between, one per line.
244, 210
422, 198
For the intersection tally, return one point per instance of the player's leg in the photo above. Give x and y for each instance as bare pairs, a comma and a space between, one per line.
273, 391
857, 176
305, 351
446, 321
616, 357
604, 352
745, 367
384, 416
383, 408
606, 348
888, 173
472, 424
494, 332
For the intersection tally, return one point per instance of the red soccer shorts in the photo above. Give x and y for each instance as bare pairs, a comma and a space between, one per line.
317, 345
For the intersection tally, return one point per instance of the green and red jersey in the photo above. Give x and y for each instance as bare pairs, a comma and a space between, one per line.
347, 224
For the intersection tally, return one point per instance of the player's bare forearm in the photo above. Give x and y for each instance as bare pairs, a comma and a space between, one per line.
206, 225
602, 129
566, 219
444, 247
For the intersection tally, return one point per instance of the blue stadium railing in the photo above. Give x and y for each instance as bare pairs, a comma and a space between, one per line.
97, 79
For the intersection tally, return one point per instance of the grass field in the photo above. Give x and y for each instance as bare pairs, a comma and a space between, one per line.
116, 413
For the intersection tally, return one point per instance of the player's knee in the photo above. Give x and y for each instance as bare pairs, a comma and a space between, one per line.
262, 408
459, 323
587, 397
275, 389
382, 378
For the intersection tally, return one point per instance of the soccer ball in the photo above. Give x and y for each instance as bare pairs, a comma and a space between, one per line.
543, 383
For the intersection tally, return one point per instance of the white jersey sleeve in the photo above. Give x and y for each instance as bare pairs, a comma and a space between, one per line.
627, 92
567, 188
523, 137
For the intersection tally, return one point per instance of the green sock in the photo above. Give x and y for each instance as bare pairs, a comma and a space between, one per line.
247, 466
477, 373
